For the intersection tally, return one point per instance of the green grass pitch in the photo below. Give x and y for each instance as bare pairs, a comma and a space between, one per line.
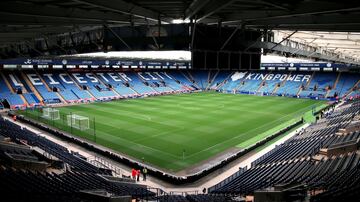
158, 129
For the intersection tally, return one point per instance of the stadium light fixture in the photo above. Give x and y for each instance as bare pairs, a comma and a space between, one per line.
154, 55
180, 21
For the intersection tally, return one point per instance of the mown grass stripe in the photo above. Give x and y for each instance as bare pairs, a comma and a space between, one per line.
159, 129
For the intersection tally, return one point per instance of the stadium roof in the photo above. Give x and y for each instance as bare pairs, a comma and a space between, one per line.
281, 14
344, 44
25, 20
142, 55
340, 42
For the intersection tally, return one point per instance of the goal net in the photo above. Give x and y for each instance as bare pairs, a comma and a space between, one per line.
259, 93
51, 114
78, 122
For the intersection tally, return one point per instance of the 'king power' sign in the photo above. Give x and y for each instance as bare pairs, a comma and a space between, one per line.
271, 77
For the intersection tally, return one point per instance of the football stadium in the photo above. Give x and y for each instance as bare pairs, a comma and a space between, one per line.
180, 101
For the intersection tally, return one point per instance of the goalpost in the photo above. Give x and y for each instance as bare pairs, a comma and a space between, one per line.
51, 114
78, 122
259, 93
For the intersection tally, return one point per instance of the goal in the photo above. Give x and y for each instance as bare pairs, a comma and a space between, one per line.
51, 114
78, 122
259, 93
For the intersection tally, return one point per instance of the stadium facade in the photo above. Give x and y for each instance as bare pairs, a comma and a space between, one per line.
87, 80
78, 122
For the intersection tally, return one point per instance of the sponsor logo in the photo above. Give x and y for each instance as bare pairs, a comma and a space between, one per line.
27, 62
238, 75
279, 77
88, 62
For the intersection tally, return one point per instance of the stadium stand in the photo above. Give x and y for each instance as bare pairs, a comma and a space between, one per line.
16, 133
306, 158
8, 93
201, 78
289, 87
309, 159
319, 85
268, 87
115, 81
31, 98
68, 87
169, 81
232, 83
218, 79
74, 87
256, 101
344, 186
51, 79
155, 81
140, 86
67, 184
183, 80
61, 187
195, 198
344, 85
72, 182
91, 83
175, 198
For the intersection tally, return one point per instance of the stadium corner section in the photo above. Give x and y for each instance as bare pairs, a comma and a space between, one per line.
161, 173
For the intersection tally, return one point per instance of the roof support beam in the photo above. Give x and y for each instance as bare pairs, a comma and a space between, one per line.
36, 29
273, 4
194, 8
120, 6
36, 10
284, 39
36, 20
304, 53
315, 8
193, 31
315, 27
330, 19
16, 50
213, 6
153, 37
230, 37
46, 38
308, 43
31, 46
17, 35
258, 39
117, 36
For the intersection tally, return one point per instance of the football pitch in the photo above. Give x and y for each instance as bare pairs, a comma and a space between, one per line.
175, 132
